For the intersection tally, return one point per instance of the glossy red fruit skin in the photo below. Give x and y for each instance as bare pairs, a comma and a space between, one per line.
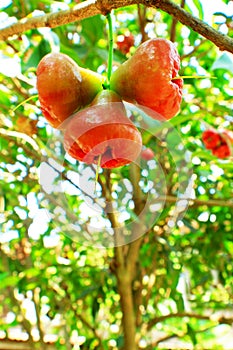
147, 154
64, 87
147, 78
211, 139
103, 129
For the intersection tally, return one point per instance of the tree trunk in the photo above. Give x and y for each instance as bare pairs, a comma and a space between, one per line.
127, 307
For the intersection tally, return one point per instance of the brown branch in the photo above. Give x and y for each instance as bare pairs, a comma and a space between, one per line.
174, 23
142, 22
139, 202
36, 299
85, 322
83, 10
219, 320
91, 8
196, 202
195, 48
121, 271
223, 42
15, 302
174, 335
118, 243
80, 11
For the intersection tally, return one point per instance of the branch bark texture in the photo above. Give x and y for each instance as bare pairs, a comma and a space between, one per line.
91, 8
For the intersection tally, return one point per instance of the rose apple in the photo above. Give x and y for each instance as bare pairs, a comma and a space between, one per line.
219, 142
211, 139
147, 154
222, 151
147, 78
124, 42
64, 87
103, 131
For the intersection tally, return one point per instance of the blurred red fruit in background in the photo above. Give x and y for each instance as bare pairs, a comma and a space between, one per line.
211, 139
147, 154
125, 42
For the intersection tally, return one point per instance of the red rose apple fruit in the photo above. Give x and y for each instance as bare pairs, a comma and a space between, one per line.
103, 132
124, 42
147, 78
147, 154
222, 151
211, 139
64, 87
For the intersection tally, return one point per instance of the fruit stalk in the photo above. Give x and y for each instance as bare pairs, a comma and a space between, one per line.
110, 48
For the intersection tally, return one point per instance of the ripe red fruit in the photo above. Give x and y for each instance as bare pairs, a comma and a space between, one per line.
103, 129
223, 151
147, 154
147, 78
64, 87
219, 142
211, 139
124, 42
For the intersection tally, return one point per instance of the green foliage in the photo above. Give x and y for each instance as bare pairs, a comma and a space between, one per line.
49, 256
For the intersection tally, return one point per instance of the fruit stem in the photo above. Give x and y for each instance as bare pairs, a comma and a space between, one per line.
25, 101
193, 77
110, 48
97, 171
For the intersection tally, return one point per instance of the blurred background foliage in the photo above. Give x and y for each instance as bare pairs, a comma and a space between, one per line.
55, 285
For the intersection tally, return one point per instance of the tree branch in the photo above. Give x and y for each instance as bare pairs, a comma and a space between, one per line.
91, 8
139, 202
83, 10
174, 335
15, 302
174, 23
223, 42
80, 11
217, 319
19, 139
196, 202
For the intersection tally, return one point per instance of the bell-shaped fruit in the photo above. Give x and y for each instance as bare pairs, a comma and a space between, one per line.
211, 138
223, 151
64, 87
150, 78
219, 142
103, 133
147, 154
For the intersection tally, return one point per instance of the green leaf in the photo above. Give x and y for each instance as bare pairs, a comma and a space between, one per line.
4, 99
39, 51
9, 281
199, 6
192, 334
92, 29
76, 54
95, 307
3, 275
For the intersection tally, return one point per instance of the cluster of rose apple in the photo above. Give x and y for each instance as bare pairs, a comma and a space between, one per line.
125, 42
219, 142
96, 127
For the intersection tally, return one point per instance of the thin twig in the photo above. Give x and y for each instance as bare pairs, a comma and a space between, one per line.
174, 24
91, 8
